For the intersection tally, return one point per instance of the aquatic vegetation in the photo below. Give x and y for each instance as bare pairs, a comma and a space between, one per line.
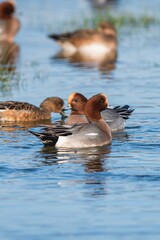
8, 57
124, 20
119, 20
7, 83
8, 73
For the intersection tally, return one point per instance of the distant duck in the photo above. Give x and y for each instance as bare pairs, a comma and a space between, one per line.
12, 111
115, 117
9, 24
102, 3
94, 43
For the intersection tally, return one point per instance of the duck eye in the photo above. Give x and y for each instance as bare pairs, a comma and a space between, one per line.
75, 100
102, 101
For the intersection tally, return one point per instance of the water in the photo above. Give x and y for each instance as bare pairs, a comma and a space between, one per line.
101, 193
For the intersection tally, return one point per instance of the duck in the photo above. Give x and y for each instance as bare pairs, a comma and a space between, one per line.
9, 24
115, 117
93, 42
77, 103
15, 111
95, 133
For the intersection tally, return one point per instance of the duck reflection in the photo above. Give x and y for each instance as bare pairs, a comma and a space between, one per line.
12, 126
93, 161
103, 63
9, 26
9, 52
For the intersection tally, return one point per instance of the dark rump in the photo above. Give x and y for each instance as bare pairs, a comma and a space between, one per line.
47, 138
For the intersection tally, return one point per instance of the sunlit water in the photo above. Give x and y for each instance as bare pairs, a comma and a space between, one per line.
101, 193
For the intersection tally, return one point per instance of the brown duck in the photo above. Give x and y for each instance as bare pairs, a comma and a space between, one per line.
13, 111
9, 24
96, 42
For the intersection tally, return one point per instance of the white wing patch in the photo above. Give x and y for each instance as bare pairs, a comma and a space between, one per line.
91, 134
69, 48
94, 49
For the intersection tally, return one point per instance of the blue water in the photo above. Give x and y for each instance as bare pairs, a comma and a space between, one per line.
102, 193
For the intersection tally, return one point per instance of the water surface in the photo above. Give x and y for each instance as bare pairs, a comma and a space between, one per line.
102, 193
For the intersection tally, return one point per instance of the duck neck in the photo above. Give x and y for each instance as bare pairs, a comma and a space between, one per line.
45, 112
104, 127
77, 113
92, 114
95, 116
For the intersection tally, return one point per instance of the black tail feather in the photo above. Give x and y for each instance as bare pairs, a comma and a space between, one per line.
124, 111
61, 37
47, 138
56, 37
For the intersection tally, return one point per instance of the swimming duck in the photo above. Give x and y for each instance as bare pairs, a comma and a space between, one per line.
115, 117
9, 24
92, 134
13, 111
95, 42
77, 103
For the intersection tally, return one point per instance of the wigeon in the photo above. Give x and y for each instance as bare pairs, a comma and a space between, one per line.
92, 134
12, 111
94, 43
115, 117
77, 103
9, 24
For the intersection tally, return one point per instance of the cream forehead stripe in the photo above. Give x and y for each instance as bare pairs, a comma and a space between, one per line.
102, 94
71, 96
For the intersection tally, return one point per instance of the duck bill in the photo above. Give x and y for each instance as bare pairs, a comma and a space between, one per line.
67, 108
63, 113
